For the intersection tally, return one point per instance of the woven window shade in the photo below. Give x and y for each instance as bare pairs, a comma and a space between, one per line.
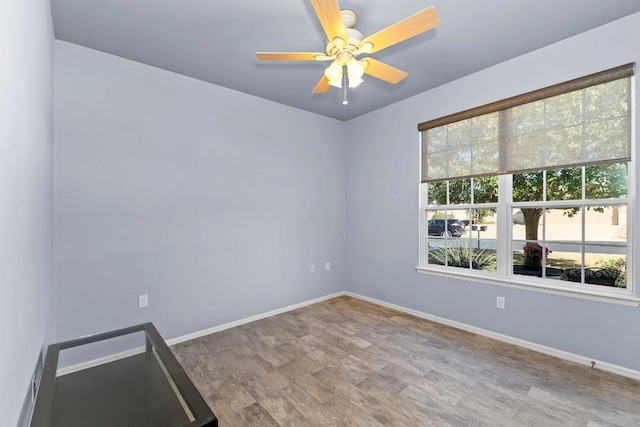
583, 121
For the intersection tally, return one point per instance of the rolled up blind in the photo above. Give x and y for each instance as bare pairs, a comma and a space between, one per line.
579, 122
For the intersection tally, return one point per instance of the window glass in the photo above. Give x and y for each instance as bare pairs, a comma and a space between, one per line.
543, 180
531, 258
447, 223
563, 233
485, 189
526, 223
564, 184
455, 253
528, 187
563, 224
578, 243
606, 181
460, 191
437, 193
483, 235
448, 237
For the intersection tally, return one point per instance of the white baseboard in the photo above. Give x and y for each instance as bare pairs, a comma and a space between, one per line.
99, 361
113, 357
246, 320
583, 360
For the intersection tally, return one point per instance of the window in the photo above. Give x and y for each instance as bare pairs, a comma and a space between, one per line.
533, 190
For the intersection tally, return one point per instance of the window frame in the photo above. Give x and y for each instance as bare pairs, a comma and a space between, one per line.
503, 275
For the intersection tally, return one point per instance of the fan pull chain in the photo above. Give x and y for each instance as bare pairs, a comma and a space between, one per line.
345, 84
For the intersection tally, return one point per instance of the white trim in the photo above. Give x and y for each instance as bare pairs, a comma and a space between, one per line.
99, 361
537, 285
572, 357
632, 191
583, 360
198, 334
113, 357
503, 275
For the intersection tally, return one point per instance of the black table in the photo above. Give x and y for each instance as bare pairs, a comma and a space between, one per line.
146, 389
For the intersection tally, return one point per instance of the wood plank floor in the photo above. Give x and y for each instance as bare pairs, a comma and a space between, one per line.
346, 362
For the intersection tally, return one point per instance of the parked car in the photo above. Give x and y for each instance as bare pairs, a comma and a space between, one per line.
454, 227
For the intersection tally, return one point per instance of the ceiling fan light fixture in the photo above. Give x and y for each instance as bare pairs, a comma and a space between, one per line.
346, 44
355, 70
334, 74
366, 47
355, 82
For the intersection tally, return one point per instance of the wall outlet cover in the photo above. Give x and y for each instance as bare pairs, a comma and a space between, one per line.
143, 301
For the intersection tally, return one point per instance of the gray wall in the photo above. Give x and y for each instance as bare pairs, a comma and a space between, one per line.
211, 201
26, 193
382, 207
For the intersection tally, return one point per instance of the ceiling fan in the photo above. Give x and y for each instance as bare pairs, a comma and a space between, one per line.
346, 44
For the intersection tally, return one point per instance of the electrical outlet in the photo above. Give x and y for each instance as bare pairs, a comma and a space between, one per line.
143, 300
327, 266
500, 302
312, 269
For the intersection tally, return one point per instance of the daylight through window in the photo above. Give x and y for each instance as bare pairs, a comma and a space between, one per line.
534, 189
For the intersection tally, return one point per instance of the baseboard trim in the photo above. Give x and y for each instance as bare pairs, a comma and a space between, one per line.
113, 357
561, 354
572, 357
250, 319
99, 361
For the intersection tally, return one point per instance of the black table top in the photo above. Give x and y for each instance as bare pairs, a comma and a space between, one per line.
146, 389
132, 391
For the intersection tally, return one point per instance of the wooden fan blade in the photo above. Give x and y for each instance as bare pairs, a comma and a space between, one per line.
328, 12
409, 27
322, 86
383, 71
290, 56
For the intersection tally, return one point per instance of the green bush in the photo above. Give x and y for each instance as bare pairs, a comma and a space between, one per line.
458, 256
619, 264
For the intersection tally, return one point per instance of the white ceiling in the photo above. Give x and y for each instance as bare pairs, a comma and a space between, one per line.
215, 40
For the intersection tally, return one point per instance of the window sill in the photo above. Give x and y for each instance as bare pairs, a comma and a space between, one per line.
537, 285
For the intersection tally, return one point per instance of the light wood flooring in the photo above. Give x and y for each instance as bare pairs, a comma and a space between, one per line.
346, 362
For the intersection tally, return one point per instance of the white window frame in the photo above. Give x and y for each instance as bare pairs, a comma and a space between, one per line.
503, 275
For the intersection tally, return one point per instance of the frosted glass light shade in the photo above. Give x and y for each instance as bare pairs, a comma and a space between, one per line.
334, 74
